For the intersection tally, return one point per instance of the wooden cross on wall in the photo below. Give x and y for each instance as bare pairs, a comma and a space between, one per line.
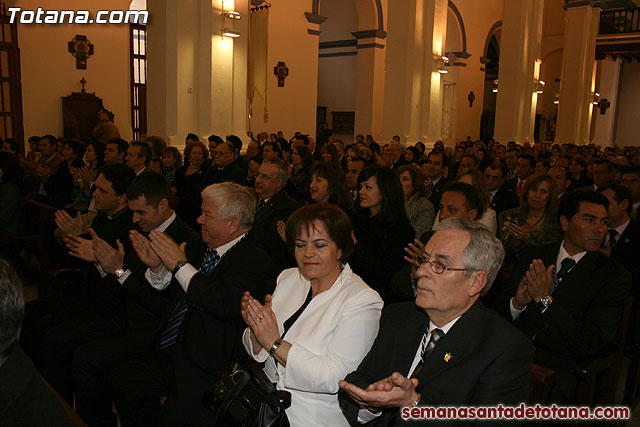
281, 71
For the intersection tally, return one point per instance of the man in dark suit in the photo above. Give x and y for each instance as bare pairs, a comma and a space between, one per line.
622, 242
450, 349
569, 298
148, 199
524, 169
24, 399
56, 325
224, 167
501, 197
274, 205
397, 155
201, 333
437, 170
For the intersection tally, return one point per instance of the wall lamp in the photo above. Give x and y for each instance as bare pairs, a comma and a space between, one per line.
231, 14
539, 86
228, 32
441, 64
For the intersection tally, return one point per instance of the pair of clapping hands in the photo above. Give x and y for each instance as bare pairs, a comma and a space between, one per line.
156, 252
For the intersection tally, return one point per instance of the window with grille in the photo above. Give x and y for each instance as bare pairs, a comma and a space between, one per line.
138, 79
10, 88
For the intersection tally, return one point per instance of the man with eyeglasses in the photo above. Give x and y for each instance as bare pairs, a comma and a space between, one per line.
224, 167
446, 348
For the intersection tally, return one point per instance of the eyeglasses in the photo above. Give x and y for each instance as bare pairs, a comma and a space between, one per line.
436, 266
221, 153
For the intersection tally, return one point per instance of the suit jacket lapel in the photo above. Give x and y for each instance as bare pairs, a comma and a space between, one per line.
574, 281
455, 347
407, 345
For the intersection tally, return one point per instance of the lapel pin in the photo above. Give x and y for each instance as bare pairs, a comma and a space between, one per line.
447, 357
626, 240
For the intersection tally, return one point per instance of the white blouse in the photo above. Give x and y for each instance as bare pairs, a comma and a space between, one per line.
328, 341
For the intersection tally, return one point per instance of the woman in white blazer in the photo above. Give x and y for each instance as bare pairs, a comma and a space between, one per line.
320, 322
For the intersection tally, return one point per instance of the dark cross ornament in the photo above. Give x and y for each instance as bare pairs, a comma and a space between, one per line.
81, 48
471, 98
83, 82
603, 104
281, 71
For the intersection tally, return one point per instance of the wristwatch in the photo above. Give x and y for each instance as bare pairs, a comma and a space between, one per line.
179, 265
275, 346
544, 302
119, 272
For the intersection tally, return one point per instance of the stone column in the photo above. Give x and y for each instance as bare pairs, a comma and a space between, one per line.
197, 78
578, 78
519, 68
413, 85
370, 82
609, 76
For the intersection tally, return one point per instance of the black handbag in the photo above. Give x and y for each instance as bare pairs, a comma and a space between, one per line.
245, 397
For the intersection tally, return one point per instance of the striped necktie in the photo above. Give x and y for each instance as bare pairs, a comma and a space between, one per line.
427, 349
170, 332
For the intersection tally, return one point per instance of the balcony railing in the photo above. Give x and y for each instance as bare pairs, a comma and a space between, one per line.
619, 21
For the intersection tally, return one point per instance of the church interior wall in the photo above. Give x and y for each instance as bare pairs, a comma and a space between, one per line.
477, 17
293, 107
337, 67
48, 70
628, 112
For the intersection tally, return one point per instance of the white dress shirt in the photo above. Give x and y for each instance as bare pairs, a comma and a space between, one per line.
184, 275
562, 254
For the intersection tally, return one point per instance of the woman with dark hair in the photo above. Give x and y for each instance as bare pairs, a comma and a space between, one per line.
381, 228
11, 197
330, 154
73, 152
171, 161
533, 223
328, 185
298, 184
94, 155
188, 183
420, 210
412, 155
320, 322
83, 177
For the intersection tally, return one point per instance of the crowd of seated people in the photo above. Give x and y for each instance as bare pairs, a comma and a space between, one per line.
285, 253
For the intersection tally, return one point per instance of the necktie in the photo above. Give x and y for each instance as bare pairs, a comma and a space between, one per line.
260, 204
427, 349
519, 187
170, 332
613, 237
211, 258
566, 265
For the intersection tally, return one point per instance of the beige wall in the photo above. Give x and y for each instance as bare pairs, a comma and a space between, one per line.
49, 70
337, 74
478, 18
292, 107
628, 113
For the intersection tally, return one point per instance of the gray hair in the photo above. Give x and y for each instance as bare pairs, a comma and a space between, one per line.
235, 201
283, 170
484, 251
11, 306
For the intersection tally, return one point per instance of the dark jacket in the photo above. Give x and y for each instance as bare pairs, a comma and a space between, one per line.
489, 361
